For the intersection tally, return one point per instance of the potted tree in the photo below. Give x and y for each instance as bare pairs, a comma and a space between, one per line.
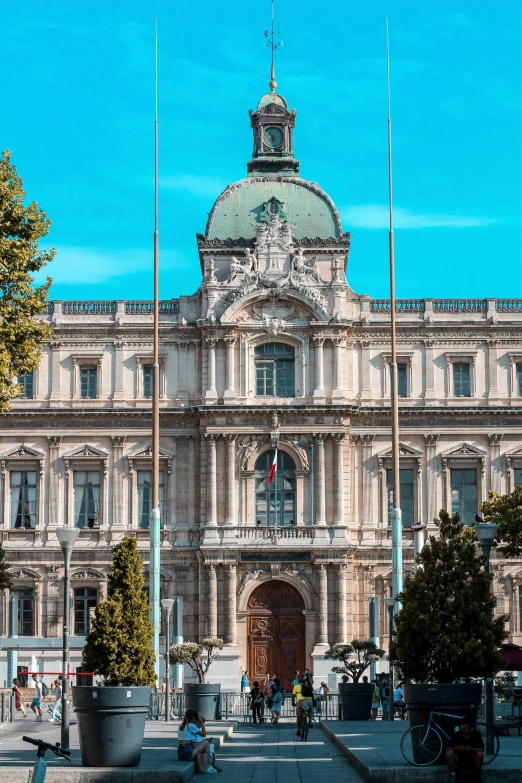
356, 697
202, 696
111, 717
446, 633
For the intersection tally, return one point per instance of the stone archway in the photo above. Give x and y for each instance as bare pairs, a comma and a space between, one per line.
276, 632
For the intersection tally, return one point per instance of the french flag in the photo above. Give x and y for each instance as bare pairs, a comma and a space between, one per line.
273, 469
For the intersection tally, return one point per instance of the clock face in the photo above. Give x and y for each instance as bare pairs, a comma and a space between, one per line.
273, 137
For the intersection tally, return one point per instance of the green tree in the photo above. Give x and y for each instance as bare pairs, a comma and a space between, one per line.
506, 512
446, 629
21, 332
365, 651
119, 645
5, 577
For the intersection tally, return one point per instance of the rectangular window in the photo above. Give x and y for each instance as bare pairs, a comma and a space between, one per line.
86, 498
147, 381
85, 602
26, 382
145, 497
25, 611
461, 380
464, 494
402, 380
517, 473
88, 383
23, 499
406, 479
519, 379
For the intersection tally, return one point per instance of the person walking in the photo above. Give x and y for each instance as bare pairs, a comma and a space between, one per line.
19, 697
191, 743
376, 700
36, 704
58, 700
256, 702
278, 699
244, 682
385, 701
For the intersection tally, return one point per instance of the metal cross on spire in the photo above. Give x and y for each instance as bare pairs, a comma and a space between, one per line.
273, 44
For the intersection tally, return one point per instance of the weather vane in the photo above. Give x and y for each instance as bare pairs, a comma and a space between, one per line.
273, 44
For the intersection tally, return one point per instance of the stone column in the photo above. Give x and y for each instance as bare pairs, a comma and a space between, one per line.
118, 394
341, 603
211, 481
118, 442
319, 393
322, 604
55, 397
230, 439
339, 476
367, 480
55, 509
230, 390
366, 390
211, 393
320, 486
495, 472
431, 477
230, 611
429, 388
183, 357
212, 600
493, 393
338, 393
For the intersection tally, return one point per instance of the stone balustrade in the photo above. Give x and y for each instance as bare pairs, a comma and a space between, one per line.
101, 307
459, 306
251, 533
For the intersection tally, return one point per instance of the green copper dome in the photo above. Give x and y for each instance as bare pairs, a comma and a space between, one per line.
303, 203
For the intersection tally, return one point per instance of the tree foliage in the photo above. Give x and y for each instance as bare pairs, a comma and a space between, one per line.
192, 654
5, 577
366, 652
119, 645
506, 512
21, 332
446, 629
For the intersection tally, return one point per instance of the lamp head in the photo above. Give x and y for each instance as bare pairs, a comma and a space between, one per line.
390, 603
167, 604
486, 532
67, 537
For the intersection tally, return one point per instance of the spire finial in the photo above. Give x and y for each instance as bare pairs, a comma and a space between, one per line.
273, 44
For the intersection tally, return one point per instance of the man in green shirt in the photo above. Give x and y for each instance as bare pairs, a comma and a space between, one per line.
302, 695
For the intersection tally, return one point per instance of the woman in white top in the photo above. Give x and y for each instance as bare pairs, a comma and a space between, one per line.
191, 745
58, 700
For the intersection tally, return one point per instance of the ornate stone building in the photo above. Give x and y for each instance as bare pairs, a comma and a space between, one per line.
273, 346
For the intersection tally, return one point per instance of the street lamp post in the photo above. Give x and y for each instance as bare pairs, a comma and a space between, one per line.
67, 537
418, 540
486, 532
167, 604
390, 606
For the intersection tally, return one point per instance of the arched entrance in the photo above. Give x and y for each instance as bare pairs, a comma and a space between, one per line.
276, 632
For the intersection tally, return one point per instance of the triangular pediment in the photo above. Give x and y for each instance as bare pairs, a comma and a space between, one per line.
86, 452
22, 452
145, 452
404, 451
516, 452
464, 450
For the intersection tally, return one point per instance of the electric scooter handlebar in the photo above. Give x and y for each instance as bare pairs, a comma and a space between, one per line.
44, 746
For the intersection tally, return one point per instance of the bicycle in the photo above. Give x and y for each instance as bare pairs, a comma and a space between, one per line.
306, 722
399, 710
422, 745
40, 764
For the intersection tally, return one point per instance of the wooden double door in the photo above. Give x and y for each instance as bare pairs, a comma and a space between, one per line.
276, 633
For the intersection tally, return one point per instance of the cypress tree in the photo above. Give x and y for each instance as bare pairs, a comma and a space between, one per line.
21, 332
119, 645
446, 629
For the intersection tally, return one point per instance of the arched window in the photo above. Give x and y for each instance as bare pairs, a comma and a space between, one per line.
275, 370
266, 512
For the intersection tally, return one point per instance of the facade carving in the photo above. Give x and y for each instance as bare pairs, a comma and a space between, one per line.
274, 345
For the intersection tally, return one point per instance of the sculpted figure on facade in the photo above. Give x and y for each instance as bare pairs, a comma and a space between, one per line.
250, 262
249, 449
235, 269
301, 450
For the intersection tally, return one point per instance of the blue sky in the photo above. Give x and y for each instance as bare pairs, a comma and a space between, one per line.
79, 110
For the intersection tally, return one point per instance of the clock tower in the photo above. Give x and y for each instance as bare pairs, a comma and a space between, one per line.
273, 125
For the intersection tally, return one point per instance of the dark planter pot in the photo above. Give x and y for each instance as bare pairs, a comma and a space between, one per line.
111, 724
356, 700
457, 699
203, 697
